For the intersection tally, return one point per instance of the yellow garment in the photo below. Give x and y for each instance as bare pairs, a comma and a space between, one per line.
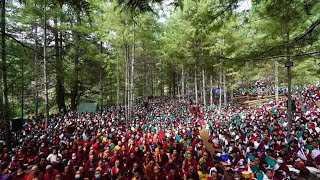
157, 150
202, 176
104, 139
201, 160
105, 155
117, 147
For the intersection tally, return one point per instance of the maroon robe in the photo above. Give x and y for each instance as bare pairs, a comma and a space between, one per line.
160, 176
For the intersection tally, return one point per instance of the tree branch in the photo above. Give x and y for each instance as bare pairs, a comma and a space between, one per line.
314, 53
22, 44
229, 6
297, 38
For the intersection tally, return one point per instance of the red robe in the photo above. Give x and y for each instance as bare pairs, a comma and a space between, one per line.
160, 176
187, 162
50, 176
175, 176
23, 176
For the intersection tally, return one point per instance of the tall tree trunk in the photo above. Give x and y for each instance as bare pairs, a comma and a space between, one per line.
179, 94
247, 81
75, 85
111, 90
152, 83
162, 89
129, 90
174, 82
144, 79
203, 87
200, 87
182, 83
22, 89
276, 81
36, 75
5, 100
155, 86
148, 82
132, 76
59, 70
231, 93
211, 88
187, 87
220, 89
221, 74
203, 90
289, 63
12, 96
195, 85
224, 89
127, 84
101, 80
118, 83
62, 71
45, 69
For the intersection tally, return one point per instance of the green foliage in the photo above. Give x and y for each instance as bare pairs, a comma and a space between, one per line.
306, 71
201, 34
138, 5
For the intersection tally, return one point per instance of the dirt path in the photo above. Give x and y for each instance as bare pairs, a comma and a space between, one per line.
204, 134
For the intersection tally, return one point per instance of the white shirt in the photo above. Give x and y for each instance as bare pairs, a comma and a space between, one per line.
53, 158
302, 155
256, 144
315, 153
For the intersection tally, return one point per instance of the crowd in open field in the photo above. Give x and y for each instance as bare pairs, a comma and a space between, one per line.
163, 142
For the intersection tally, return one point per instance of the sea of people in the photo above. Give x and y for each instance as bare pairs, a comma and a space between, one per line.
163, 141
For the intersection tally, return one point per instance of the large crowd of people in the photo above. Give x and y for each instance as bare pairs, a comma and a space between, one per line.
163, 142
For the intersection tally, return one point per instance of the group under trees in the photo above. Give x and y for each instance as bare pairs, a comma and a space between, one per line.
119, 52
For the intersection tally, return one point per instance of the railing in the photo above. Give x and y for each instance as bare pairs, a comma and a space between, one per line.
262, 100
